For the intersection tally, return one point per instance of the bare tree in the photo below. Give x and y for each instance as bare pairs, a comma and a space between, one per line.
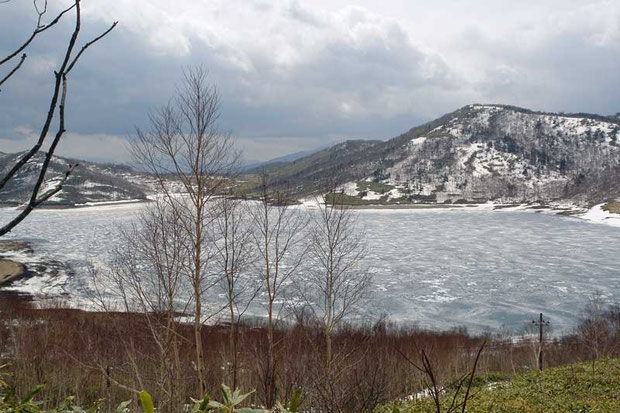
598, 329
146, 278
234, 255
279, 231
57, 105
192, 162
335, 280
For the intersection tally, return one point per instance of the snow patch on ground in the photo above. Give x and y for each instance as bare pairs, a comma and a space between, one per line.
102, 203
350, 189
418, 141
312, 202
372, 196
395, 194
597, 215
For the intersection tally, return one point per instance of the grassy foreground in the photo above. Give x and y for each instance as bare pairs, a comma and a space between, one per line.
572, 388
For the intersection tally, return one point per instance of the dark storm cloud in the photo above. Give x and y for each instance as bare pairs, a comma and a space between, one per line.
298, 75
565, 70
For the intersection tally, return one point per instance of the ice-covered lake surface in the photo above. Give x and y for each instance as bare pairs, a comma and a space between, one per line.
439, 268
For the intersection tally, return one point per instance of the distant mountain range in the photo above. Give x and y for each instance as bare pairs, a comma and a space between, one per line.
478, 153
254, 165
89, 182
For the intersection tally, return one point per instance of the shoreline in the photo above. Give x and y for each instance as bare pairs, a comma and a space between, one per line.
80, 206
10, 271
592, 215
412, 206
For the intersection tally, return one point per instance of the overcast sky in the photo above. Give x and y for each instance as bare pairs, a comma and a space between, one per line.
296, 75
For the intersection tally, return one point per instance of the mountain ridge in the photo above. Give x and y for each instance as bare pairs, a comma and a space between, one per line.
90, 182
478, 153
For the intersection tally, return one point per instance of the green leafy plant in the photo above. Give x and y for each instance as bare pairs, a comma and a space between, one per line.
11, 403
233, 398
123, 407
292, 405
147, 402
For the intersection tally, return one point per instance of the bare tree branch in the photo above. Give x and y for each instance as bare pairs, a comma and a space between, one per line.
87, 45
15, 69
471, 377
59, 92
40, 29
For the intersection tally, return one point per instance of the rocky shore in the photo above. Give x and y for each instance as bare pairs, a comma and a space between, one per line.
11, 270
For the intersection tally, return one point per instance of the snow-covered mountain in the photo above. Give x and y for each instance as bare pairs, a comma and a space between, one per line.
89, 182
476, 154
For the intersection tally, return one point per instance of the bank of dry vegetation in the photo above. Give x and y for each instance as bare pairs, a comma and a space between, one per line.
95, 356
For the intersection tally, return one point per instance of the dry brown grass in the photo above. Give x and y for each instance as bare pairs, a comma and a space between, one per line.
70, 350
613, 207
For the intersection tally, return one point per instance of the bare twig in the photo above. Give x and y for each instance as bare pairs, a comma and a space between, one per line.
87, 45
40, 29
58, 186
473, 372
428, 369
434, 390
416, 366
456, 392
105, 371
15, 69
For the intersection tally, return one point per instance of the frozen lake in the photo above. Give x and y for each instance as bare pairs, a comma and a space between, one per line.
441, 268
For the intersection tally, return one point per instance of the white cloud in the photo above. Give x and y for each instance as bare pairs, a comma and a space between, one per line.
327, 67
290, 53
96, 147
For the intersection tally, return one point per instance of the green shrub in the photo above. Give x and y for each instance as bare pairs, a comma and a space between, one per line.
10, 403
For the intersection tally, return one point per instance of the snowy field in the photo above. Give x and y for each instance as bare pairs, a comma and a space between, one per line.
440, 268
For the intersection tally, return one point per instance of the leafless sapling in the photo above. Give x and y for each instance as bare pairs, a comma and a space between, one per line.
234, 253
277, 237
192, 162
336, 279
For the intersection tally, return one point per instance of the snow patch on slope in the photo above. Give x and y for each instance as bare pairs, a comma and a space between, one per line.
350, 189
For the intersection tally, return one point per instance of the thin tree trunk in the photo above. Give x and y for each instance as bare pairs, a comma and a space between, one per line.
198, 305
232, 343
328, 351
270, 393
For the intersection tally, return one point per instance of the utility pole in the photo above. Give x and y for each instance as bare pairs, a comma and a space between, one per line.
540, 323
